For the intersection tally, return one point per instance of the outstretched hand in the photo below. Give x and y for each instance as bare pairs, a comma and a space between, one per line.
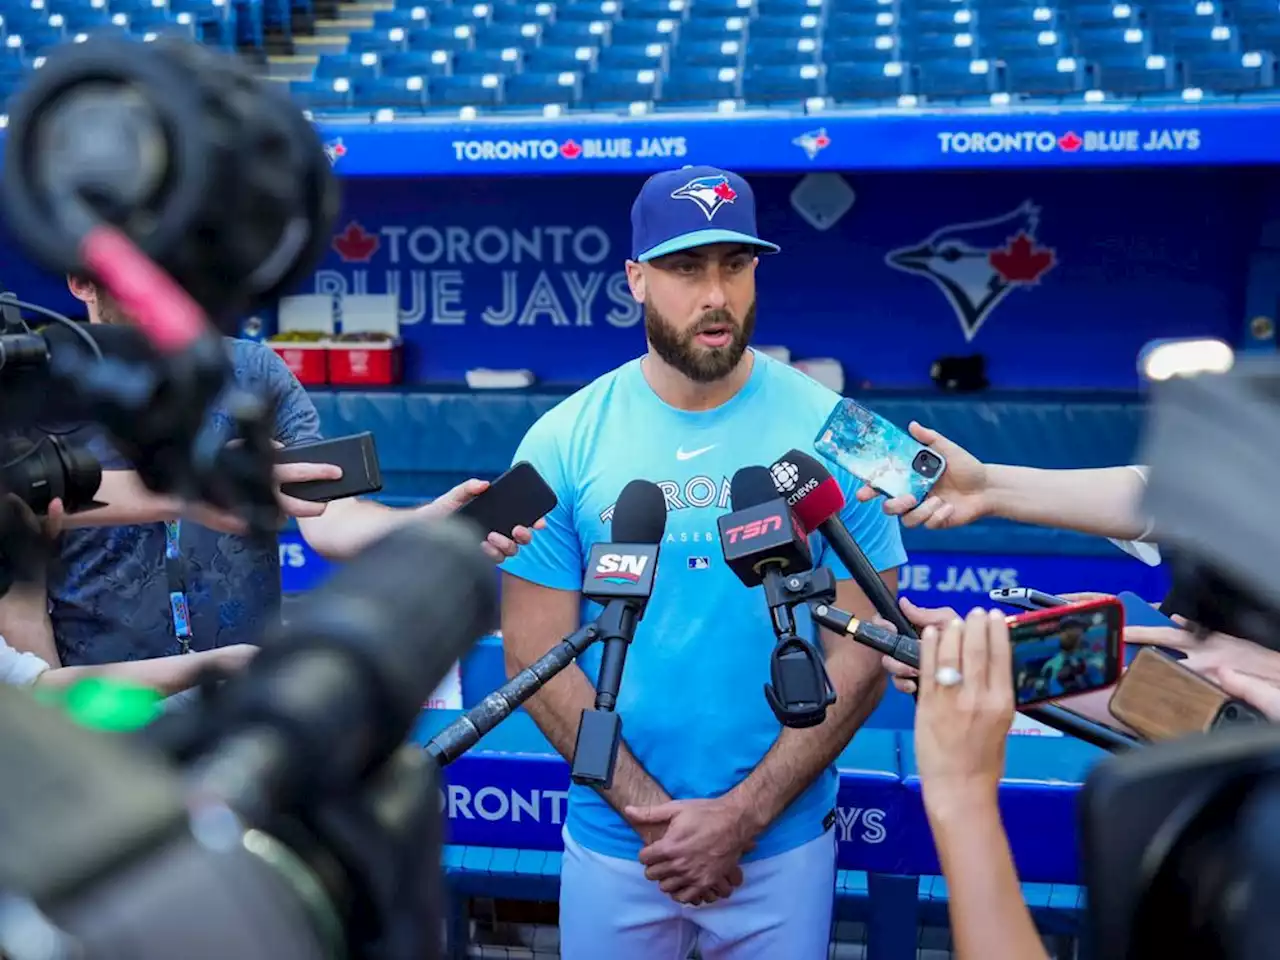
959, 497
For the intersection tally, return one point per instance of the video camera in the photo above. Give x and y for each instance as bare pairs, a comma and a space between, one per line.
205, 194
1182, 839
280, 816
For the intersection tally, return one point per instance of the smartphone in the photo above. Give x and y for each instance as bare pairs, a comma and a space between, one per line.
1027, 599
1066, 651
1160, 699
518, 498
357, 455
875, 451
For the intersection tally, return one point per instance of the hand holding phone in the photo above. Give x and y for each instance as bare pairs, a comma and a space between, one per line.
878, 453
518, 498
355, 455
1161, 699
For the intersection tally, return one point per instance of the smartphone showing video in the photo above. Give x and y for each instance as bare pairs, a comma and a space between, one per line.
1065, 651
875, 451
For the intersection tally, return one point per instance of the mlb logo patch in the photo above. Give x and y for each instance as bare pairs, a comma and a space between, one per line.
699, 563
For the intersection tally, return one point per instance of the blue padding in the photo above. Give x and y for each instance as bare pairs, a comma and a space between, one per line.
430, 440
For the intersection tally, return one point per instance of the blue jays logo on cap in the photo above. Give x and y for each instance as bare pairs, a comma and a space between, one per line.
709, 193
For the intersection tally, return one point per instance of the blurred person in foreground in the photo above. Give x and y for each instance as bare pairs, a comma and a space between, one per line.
143, 583
963, 717
718, 826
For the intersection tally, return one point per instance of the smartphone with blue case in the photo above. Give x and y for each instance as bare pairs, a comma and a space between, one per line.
882, 456
1139, 613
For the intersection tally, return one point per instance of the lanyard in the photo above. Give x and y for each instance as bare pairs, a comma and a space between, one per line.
173, 567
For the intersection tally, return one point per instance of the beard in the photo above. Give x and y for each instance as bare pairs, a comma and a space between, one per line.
683, 352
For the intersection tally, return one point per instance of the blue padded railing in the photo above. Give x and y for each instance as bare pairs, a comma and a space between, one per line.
428, 440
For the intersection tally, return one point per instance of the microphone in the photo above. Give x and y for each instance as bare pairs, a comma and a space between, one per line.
465, 732
815, 496
817, 500
335, 692
619, 575
764, 545
902, 648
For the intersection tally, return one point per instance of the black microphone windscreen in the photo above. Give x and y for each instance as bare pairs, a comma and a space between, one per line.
640, 515
750, 487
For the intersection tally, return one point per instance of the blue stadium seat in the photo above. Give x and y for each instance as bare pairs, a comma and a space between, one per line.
576, 34
1232, 72
322, 95
1026, 42
614, 88
524, 12
455, 38
700, 85
846, 47
502, 35
1046, 76
956, 79
401, 94
854, 82
864, 27
1101, 43
548, 60
782, 84
795, 25
1016, 16
719, 9
378, 41
1138, 75
409, 18
635, 32
1196, 40
714, 29
770, 51
504, 61
355, 66
939, 47
654, 9
787, 8
481, 91
417, 63
649, 56
586, 10
541, 89
708, 53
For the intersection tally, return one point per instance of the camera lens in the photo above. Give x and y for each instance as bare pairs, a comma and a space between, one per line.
927, 463
39, 473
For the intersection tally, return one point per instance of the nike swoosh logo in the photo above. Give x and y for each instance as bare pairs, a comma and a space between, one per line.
681, 455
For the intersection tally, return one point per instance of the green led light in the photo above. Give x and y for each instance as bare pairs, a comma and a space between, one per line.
107, 704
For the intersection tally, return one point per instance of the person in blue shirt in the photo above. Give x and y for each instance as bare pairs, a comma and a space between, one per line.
717, 828
146, 576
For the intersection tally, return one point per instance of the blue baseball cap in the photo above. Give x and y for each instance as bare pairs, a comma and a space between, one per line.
692, 207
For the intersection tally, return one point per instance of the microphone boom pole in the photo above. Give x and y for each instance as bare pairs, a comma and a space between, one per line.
465, 732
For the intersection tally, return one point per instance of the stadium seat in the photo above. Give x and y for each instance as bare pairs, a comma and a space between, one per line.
618, 88
541, 89
474, 91
417, 64
503, 61
547, 60
1232, 72
650, 56
401, 94
773, 85
700, 86
849, 83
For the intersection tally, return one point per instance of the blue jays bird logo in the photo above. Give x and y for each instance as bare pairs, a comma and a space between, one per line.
975, 265
709, 193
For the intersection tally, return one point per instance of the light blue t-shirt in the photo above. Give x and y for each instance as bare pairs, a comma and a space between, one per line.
692, 699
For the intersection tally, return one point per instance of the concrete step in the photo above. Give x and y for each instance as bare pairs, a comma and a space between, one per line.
319, 46
291, 68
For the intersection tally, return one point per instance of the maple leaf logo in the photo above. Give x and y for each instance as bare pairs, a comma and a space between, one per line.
977, 264
1021, 261
355, 244
708, 193
726, 192
570, 150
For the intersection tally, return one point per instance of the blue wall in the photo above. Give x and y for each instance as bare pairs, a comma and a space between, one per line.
527, 272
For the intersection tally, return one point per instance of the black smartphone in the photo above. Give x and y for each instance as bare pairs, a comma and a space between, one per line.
1026, 599
518, 498
357, 455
